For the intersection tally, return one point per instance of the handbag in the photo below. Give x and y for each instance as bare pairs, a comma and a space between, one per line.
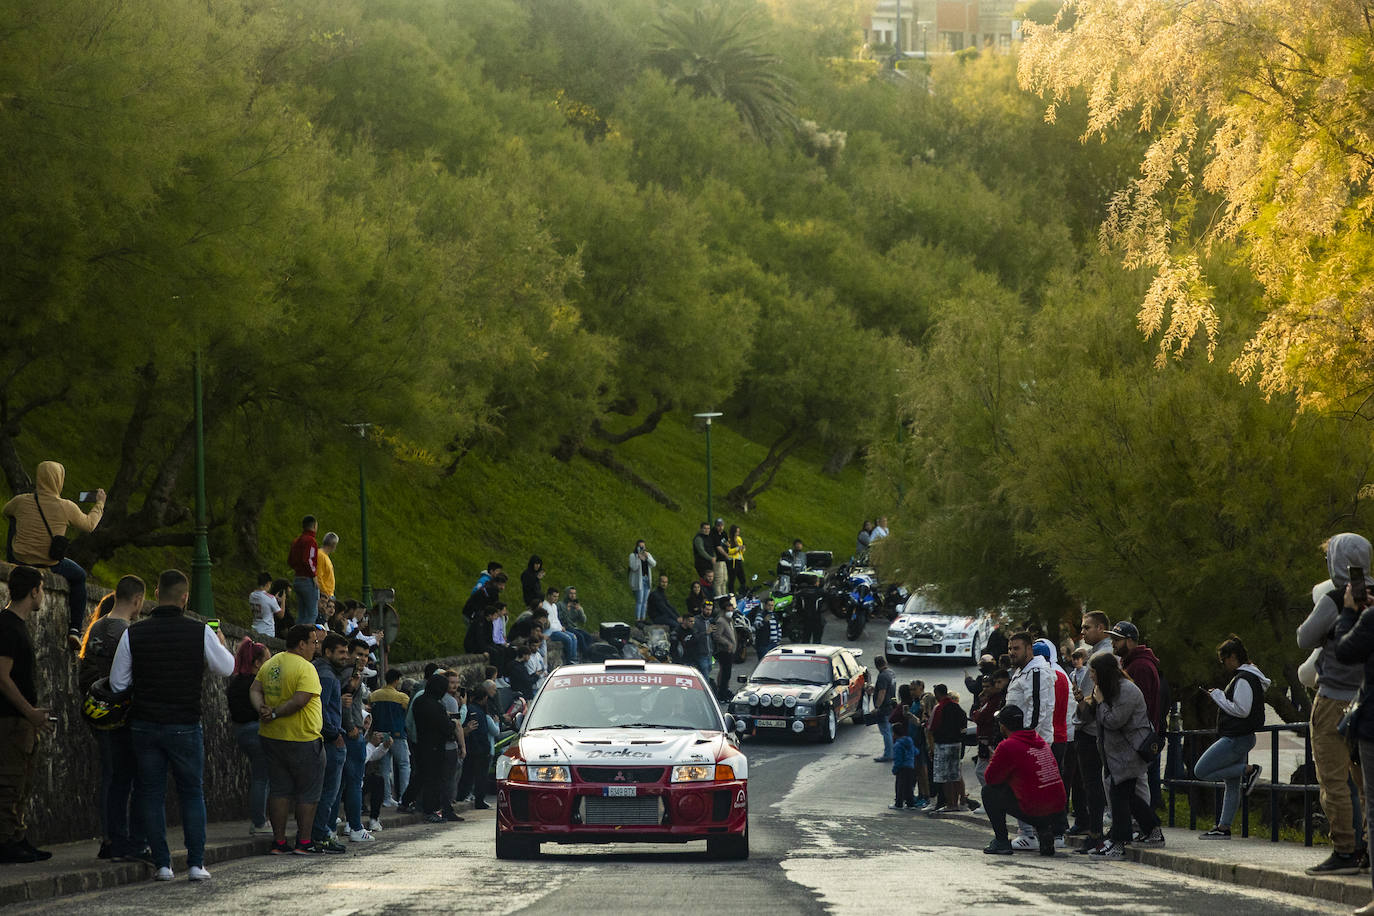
1349, 725
57, 544
1149, 746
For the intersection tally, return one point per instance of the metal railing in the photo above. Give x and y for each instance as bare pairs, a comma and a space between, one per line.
1179, 744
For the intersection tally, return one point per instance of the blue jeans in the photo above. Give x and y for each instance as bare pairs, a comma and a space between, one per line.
119, 817
885, 728
180, 748
355, 756
584, 640
642, 598
703, 665
394, 783
1226, 760
329, 795
246, 736
76, 592
308, 598
569, 644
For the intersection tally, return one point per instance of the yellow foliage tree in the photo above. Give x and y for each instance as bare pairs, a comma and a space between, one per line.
1261, 120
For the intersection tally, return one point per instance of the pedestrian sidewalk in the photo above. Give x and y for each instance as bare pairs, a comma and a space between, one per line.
74, 868
1255, 862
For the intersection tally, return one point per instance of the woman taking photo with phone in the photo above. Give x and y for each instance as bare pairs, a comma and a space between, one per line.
1240, 712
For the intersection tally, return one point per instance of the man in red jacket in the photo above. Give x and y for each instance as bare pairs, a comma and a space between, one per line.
1143, 667
302, 559
1022, 782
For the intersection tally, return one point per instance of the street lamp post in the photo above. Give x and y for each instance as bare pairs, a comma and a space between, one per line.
362, 429
202, 595
708, 416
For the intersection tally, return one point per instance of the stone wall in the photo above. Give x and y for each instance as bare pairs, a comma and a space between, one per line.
67, 772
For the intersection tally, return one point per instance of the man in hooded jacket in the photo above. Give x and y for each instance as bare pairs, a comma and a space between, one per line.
1140, 663
42, 515
1337, 684
1032, 686
1022, 781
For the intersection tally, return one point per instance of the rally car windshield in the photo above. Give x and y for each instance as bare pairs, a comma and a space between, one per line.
780, 670
624, 701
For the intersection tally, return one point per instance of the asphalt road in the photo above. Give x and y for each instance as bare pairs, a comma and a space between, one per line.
822, 841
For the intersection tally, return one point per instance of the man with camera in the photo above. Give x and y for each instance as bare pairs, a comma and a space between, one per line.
1337, 684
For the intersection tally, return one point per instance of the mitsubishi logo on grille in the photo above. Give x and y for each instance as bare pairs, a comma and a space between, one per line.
620, 776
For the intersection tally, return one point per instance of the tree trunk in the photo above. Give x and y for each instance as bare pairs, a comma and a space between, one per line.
604, 458
650, 423
247, 512
12, 424
761, 477
839, 459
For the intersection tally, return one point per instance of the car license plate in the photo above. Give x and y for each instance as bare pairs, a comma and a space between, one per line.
620, 791
770, 723
924, 642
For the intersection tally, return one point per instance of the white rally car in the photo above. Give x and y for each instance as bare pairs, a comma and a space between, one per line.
923, 630
623, 751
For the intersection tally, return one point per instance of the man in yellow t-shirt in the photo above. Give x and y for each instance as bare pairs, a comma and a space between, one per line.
324, 565
287, 695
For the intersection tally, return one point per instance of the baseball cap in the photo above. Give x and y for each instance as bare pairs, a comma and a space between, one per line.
1124, 629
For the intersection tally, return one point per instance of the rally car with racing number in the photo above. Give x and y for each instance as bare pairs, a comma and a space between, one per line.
802, 690
623, 751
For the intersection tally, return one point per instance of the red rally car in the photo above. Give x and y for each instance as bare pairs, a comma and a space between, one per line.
623, 751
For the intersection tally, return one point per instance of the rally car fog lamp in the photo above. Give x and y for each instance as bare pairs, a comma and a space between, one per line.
790, 702
764, 699
545, 773
753, 699
798, 726
777, 699
804, 709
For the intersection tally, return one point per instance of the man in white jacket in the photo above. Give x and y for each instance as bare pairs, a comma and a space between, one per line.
1032, 686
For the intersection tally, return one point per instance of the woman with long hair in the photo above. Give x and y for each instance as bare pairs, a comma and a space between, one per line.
1123, 726
247, 661
695, 597
734, 564
1240, 712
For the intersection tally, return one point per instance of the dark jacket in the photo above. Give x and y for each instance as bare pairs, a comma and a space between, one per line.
947, 722
521, 681
701, 552
490, 593
1140, 663
167, 651
480, 636
331, 700
1355, 645
531, 587
433, 727
661, 611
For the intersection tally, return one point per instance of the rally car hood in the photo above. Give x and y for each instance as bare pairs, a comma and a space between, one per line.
611, 746
943, 621
803, 692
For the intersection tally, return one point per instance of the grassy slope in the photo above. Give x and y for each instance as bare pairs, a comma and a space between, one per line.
430, 537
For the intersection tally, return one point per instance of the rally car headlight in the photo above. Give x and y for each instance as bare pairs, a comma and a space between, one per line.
790, 702
546, 773
777, 699
702, 772
753, 699
805, 709
765, 699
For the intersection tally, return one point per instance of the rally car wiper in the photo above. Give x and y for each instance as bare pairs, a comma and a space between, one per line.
540, 728
652, 725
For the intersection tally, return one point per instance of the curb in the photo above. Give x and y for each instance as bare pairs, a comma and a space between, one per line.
105, 875
1354, 892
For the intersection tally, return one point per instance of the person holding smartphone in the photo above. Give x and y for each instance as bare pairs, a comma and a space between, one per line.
641, 567
1347, 558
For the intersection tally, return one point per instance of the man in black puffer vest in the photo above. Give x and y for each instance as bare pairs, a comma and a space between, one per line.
162, 660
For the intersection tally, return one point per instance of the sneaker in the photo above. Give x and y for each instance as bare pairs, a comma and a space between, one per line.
434, 818
279, 849
14, 853
1077, 830
197, 873
921, 803
39, 855
408, 808
390, 803
360, 836
478, 805
1216, 833
947, 811
997, 848
970, 804
882, 759
164, 874
332, 845
73, 641
307, 848
896, 806
1251, 777
374, 825
1025, 843
1109, 850
1089, 845
1154, 838
1338, 863
1060, 842
452, 817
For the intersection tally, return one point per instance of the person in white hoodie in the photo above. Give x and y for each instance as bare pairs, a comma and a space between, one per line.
1032, 686
1240, 712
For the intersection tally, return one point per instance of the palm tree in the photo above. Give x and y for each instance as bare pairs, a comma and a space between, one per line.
717, 53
